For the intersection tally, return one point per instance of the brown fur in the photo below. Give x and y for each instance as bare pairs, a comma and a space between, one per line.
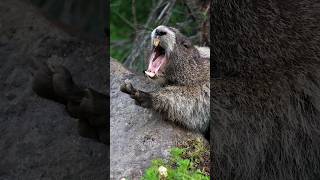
265, 101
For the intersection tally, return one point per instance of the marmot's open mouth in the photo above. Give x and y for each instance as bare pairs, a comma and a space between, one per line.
156, 60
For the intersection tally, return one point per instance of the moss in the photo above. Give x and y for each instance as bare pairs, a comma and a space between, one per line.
190, 160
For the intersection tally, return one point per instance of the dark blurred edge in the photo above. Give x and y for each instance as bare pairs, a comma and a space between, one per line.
86, 20
214, 73
100, 36
106, 15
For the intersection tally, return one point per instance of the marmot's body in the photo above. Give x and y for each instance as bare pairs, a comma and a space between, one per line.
185, 97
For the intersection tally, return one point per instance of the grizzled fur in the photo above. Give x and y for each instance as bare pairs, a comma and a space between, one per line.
265, 89
185, 98
186, 66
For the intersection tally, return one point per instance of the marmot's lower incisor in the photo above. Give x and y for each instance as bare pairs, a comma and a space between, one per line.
185, 98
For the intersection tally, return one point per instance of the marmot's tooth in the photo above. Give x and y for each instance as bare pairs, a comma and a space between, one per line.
150, 74
156, 42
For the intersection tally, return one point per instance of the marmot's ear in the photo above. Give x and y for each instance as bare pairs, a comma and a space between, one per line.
186, 43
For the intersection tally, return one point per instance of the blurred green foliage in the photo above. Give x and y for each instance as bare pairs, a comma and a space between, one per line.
120, 30
122, 23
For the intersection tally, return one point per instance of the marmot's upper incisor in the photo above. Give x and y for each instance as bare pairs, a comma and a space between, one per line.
185, 98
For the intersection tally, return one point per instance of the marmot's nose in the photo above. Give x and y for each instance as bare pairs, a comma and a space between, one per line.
160, 33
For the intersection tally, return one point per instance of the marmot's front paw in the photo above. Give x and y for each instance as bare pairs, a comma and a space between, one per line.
142, 98
127, 87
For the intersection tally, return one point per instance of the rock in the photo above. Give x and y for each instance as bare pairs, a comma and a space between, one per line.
138, 135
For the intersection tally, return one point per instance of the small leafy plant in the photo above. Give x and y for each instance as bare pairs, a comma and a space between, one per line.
183, 164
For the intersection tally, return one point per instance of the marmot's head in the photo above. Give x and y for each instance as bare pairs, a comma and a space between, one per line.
164, 41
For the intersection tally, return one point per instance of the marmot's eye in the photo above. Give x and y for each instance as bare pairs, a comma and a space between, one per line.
160, 33
186, 44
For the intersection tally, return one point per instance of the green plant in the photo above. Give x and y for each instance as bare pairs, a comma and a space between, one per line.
182, 164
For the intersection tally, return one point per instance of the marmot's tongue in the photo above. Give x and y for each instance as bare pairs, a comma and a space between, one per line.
155, 62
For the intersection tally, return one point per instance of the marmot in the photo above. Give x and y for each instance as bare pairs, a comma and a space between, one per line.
185, 98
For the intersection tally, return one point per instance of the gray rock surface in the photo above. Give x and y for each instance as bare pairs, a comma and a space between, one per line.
38, 140
138, 135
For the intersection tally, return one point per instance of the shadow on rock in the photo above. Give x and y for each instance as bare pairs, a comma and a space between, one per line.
54, 82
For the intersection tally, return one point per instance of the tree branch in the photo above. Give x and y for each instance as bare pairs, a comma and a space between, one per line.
159, 15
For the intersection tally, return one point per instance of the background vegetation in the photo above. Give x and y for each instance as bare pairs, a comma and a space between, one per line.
133, 20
